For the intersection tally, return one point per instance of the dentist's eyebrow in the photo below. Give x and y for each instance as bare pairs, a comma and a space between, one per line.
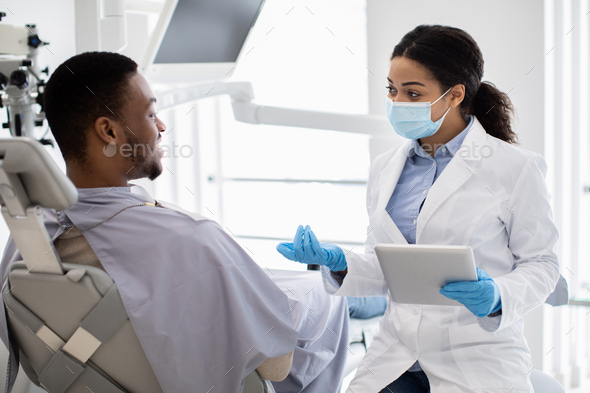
152, 100
412, 83
407, 83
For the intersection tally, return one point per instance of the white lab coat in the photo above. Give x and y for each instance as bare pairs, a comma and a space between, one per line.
492, 196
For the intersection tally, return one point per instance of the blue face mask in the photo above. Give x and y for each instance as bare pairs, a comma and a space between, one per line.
413, 120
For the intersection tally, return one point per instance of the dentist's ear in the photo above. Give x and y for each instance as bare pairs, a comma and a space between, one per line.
457, 95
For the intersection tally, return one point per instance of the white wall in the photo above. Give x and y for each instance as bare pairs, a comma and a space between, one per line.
55, 23
510, 36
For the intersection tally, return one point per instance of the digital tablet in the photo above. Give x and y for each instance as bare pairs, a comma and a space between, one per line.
415, 273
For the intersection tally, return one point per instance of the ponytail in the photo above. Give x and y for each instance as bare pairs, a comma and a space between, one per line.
453, 57
494, 111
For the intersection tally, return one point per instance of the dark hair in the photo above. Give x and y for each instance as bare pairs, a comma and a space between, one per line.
453, 57
82, 89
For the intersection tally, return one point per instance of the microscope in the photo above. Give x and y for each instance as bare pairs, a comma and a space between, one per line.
21, 85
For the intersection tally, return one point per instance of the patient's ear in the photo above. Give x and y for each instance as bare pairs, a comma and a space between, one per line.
109, 131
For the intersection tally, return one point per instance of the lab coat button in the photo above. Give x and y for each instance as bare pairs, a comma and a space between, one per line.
415, 311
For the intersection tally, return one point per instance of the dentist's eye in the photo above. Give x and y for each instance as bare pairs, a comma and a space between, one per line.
390, 89
413, 95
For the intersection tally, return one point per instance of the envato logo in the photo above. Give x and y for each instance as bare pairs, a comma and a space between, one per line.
472, 150
142, 150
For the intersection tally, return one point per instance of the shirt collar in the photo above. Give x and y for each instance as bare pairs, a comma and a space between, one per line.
101, 190
452, 146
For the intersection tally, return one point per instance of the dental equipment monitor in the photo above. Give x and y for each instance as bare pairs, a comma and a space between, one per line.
199, 40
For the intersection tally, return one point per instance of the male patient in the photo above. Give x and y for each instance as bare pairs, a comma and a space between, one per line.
205, 313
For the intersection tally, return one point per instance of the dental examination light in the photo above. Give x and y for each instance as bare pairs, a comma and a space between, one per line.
21, 85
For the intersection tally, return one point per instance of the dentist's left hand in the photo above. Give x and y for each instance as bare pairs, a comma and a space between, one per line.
307, 249
481, 297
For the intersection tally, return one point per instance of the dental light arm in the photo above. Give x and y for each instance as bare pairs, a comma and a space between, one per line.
245, 110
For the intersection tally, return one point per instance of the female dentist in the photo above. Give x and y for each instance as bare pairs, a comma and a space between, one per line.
458, 180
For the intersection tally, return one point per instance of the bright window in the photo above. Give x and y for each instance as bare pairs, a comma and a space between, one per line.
275, 178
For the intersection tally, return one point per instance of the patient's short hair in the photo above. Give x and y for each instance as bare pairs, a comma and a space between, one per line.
82, 89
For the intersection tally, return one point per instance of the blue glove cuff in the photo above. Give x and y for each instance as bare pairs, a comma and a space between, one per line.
498, 308
339, 259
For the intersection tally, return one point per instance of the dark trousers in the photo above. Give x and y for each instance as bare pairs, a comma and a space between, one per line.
409, 382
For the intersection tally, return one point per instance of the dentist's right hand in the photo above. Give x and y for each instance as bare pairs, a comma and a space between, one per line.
307, 249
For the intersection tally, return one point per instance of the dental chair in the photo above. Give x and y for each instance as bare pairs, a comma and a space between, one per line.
68, 320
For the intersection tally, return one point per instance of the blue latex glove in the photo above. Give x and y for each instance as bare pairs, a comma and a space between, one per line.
306, 249
481, 297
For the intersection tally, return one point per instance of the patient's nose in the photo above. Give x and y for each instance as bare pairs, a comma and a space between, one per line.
160, 124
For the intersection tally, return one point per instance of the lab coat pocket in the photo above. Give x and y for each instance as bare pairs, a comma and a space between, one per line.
498, 360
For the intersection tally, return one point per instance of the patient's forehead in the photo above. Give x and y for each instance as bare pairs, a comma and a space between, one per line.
139, 91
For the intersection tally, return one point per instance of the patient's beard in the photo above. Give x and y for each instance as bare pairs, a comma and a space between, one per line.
146, 161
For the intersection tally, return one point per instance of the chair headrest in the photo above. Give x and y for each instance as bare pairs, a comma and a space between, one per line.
24, 159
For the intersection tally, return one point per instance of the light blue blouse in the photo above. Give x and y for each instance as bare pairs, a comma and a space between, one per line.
419, 174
